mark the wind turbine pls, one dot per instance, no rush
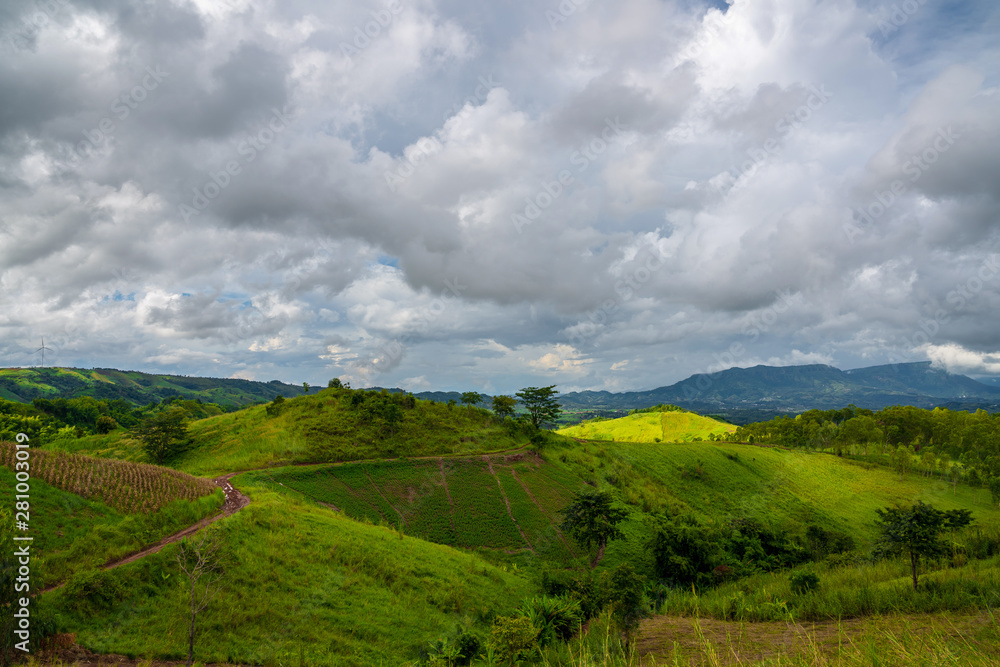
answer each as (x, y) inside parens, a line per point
(42, 350)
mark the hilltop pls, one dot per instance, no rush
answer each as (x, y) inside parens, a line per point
(661, 423)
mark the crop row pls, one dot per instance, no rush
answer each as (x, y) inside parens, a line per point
(127, 487)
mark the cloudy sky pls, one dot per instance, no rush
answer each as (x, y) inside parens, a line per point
(456, 194)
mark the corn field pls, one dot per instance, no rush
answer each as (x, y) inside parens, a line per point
(131, 488)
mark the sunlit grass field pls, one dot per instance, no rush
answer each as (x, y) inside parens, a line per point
(673, 426)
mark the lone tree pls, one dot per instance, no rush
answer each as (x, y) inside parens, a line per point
(591, 520)
(305, 387)
(164, 435)
(541, 404)
(201, 562)
(916, 530)
(503, 406)
(471, 398)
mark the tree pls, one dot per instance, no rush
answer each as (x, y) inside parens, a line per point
(628, 603)
(201, 562)
(591, 520)
(471, 398)
(305, 387)
(163, 435)
(334, 384)
(105, 424)
(916, 530)
(503, 406)
(541, 404)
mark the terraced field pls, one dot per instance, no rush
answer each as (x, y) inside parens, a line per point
(502, 503)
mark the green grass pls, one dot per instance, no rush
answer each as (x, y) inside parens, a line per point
(672, 426)
(72, 534)
(301, 578)
(315, 428)
(414, 496)
(866, 589)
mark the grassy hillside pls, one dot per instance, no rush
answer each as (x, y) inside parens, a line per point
(332, 425)
(504, 503)
(667, 426)
(303, 585)
(25, 384)
(72, 533)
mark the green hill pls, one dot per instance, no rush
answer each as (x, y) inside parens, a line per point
(332, 425)
(86, 512)
(416, 520)
(651, 425)
(304, 585)
(26, 384)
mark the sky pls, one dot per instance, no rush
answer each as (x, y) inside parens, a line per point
(487, 195)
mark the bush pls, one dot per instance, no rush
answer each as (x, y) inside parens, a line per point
(803, 582)
(274, 409)
(553, 617)
(513, 639)
(94, 590)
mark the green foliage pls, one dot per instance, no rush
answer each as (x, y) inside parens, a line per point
(591, 520)
(163, 436)
(541, 404)
(471, 398)
(803, 582)
(685, 552)
(627, 599)
(335, 383)
(503, 406)
(916, 531)
(94, 591)
(513, 639)
(555, 617)
(105, 424)
(276, 406)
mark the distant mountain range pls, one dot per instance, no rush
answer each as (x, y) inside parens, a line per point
(739, 394)
(798, 388)
(26, 384)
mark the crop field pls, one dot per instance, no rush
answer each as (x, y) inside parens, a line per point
(459, 502)
(72, 533)
(674, 426)
(127, 487)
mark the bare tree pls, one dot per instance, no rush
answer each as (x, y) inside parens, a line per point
(201, 561)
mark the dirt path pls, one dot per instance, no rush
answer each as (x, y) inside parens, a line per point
(489, 464)
(235, 501)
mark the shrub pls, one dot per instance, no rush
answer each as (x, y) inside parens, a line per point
(553, 617)
(274, 409)
(94, 590)
(513, 639)
(803, 582)
(105, 424)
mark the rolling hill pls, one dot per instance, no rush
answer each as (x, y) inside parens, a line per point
(657, 426)
(25, 384)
